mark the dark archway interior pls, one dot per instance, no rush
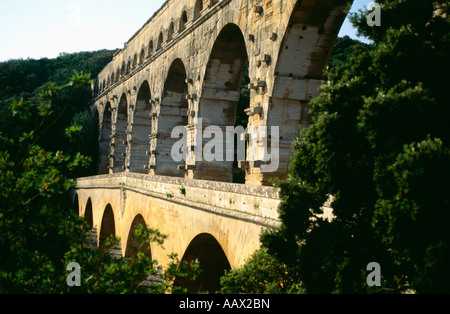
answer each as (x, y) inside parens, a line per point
(213, 263)
(224, 99)
(198, 9)
(173, 113)
(105, 140)
(134, 243)
(304, 54)
(142, 128)
(108, 227)
(120, 139)
(91, 234)
(88, 215)
(76, 206)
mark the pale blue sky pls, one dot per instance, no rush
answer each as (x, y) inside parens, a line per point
(45, 28)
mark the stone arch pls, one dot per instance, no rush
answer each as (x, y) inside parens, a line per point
(105, 140)
(133, 242)
(94, 110)
(172, 113)
(135, 62)
(298, 73)
(76, 205)
(91, 235)
(150, 47)
(120, 135)
(183, 20)
(89, 214)
(128, 69)
(219, 100)
(171, 31)
(141, 130)
(123, 72)
(198, 9)
(213, 262)
(142, 55)
(108, 226)
(160, 40)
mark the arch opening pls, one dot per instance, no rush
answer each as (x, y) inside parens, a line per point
(108, 227)
(141, 129)
(76, 206)
(142, 56)
(123, 69)
(198, 9)
(91, 234)
(171, 31)
(150, 48)
(300, 65)
(183, 21)
(120, 142)
(105, 140)
(135, 244)
(213, 263)
(160, 40)
(223, 103)
(88, 214)
(173, 113)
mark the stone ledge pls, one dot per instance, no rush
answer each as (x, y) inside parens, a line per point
(229, 200)
(251, 190)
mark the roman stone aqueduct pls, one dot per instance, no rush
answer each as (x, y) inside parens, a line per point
(187, 63)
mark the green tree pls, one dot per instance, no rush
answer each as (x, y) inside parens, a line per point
(261, 274)
(23, 81)
(379, 149)
(39, 233)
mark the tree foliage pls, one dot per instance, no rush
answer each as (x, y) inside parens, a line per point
(379, 147)
(40, 234)
(23, 82)
(22, 78)
(261, 274)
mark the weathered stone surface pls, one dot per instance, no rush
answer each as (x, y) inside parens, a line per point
(187, 62)
(233, 214)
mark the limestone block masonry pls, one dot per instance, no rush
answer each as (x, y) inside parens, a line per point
(217, 223)
(187, 63)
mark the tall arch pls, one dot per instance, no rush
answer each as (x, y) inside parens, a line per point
(91, 235)
(198, 9)
(183, 21)
(120, 135)
(173, 113)
(213, 263)
(88, 214)
(135, 62)
(150, 48)
(141, 129)
(171, 31)
(134, 243)
(108, 226)
(160, 40)
(221, 94)
(105, 140)
(123, 68)
(76, 205)
(142, 56)
(298, 73)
